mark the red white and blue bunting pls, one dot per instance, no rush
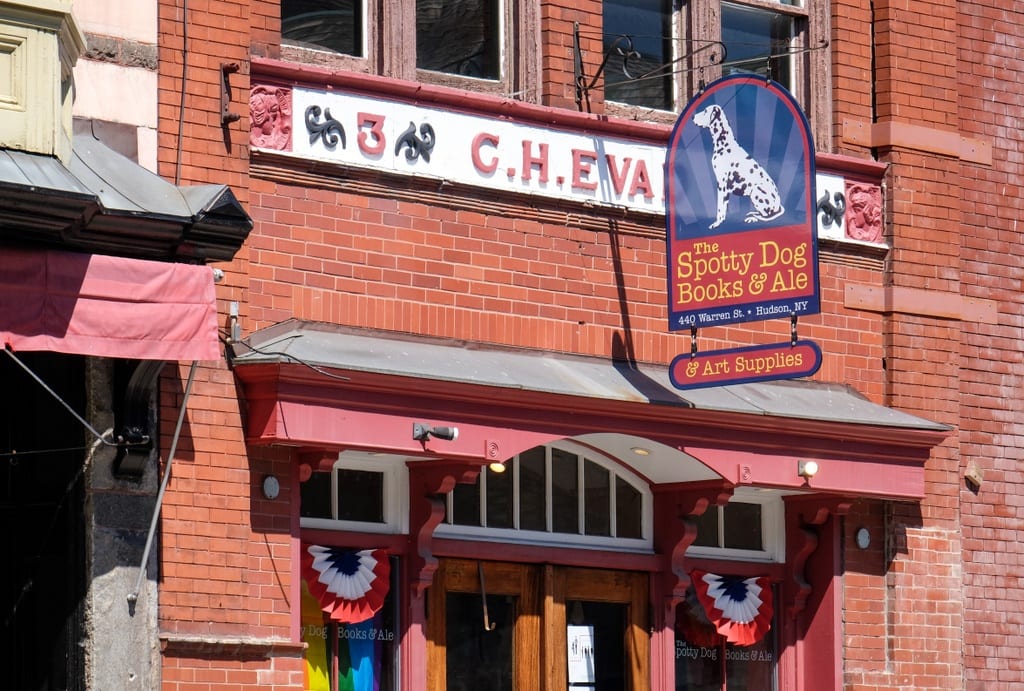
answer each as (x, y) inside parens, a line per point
(350, 585)
(739, 608)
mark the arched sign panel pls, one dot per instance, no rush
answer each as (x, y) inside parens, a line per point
(739, 179)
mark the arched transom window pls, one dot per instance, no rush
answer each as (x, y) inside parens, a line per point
(555, 494)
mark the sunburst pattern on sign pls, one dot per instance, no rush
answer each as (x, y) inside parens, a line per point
(740, 608)
(350, 585)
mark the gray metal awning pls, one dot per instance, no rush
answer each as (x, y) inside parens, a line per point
(389, 353)
(105, 203)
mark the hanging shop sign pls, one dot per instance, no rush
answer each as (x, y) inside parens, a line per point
(740, 207)
(741, 229)
(746, 364)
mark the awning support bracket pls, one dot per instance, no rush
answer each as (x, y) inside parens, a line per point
(133, 596)
(102, 437)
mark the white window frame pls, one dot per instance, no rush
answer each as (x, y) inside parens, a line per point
(395, 490)
(773, 530)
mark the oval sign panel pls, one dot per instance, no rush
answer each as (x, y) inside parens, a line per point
(745, 365)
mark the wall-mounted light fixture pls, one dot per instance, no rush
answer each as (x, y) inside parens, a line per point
(422, 432)
(271, 487)
(496, 467)
(807, 469)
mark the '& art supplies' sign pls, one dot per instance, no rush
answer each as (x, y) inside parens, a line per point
(740, 207)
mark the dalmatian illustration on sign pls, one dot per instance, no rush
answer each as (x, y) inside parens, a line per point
(736, 172)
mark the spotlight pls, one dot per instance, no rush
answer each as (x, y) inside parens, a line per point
(807, 469)
(422, 432)
(496, 467)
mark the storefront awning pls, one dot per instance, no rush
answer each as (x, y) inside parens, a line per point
(90, 304)
(314, 385)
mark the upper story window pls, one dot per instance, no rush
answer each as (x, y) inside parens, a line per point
(463, 43)
(332, 25)
(554, 495)
(677, 48)
(461, 37)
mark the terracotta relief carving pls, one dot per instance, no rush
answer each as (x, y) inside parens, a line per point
(270, 112)
(864, 212)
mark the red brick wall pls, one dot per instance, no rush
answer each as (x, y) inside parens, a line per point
(988, 78)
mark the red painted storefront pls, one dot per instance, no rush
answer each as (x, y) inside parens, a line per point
(369, 301)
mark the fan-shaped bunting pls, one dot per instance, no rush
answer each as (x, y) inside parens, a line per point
(349, 584)
(740, 608)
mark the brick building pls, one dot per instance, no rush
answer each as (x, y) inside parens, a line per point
(446, 446)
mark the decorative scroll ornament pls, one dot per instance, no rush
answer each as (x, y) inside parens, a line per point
(350, 585)
(416, 146)
(329, 130)
(831, 212)
(740, 608)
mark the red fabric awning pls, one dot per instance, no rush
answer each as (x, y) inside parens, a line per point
(91, 304)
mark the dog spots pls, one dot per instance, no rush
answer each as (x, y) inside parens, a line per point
(737, 174)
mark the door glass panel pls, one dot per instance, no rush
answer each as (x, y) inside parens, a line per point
(564, 492)
(597, 648)
(479, 659)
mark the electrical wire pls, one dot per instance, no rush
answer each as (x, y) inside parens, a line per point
(288, 356)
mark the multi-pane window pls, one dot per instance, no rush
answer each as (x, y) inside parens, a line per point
(552, 492)
(359, 492)
(678, 46)
(465, 43)
(748, 527)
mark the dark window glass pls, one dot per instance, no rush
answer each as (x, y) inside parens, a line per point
(466, 504)
(564, 492)
(750, 35)
(608, 622)
(596, 499)
(499, 499)
(743, 526)
(477, 658)
(360, 495)
(532, 490)
(707, 528)
(315, 496)
(644, 80)
(628, 510)
(335, 25)
(459, 37)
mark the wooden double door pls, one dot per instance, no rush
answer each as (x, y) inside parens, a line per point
(498, 626)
